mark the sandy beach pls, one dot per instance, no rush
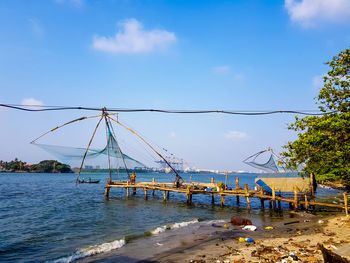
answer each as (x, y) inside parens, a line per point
(295, 240)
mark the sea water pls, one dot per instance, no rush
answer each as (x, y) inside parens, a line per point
(48, 218)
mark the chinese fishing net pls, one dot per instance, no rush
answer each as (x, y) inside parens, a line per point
(274, 163)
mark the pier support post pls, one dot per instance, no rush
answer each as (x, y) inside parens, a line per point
(346, 203)
(306, 203)
(262, 199)
(222, 200)
(237, 200)
(212, 199)
(107, 192)
(247, 195)
(168, 195)
(295, 198)
(153, 192)
(274, 197)
(127, 189)
(134, 190)
(145, 193)
(164, 195)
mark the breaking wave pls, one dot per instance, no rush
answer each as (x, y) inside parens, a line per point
(91, 250)
(161, 229)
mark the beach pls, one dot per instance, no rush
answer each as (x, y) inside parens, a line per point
(295, 239)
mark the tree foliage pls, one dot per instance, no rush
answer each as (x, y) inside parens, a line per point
(47, 166)
(323, 144)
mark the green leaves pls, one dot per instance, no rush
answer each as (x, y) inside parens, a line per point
(323, 144)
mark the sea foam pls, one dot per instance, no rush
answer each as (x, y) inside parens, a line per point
(91, 250)
(161, 229)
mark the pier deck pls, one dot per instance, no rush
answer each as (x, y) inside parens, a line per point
(297, 199)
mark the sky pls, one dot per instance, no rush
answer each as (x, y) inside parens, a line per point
(217, 55)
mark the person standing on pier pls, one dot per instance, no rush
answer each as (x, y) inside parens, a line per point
(133, 178)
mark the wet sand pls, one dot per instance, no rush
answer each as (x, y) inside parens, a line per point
(293, 239)
(296, 241)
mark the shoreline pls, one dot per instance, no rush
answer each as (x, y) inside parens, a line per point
(298, 241)
(296, 236)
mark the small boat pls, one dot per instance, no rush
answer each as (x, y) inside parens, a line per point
(88, 181)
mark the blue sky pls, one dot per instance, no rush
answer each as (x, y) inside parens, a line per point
(233, 55)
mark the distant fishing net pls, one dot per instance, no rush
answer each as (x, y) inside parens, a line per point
(274, 163)
(114, 157)
(95, 158)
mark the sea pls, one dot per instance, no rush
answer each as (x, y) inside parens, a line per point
(48, 218)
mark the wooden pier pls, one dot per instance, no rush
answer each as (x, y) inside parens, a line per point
(297, 200)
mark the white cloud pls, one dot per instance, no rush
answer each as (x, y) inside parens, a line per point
(132, 39)
(36, 27)
(310, 12)
(32, 102)
(235, 135)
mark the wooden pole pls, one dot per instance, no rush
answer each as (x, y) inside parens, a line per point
(107, 192)
(346, 203)
(262, 199)
(274, 197)
(226, 180)
(127, 189)
(167, 195)
(212, 180)
(134, 190)
(145, 193)
(153, 182)
(247, 195)
(212, 199)
(295, 198)
(164, 193)
(306, 203)
(237, 183)
(222, 200)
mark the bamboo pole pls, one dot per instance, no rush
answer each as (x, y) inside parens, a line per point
(145, 193)
(346, 203)
(164, 195)
(168, 195)
(237, 183)
(87, 149)
(153, 181)
(226, 180)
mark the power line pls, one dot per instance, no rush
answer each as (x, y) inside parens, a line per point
(40, 108)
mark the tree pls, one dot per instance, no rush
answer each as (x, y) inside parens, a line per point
(323, 144)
